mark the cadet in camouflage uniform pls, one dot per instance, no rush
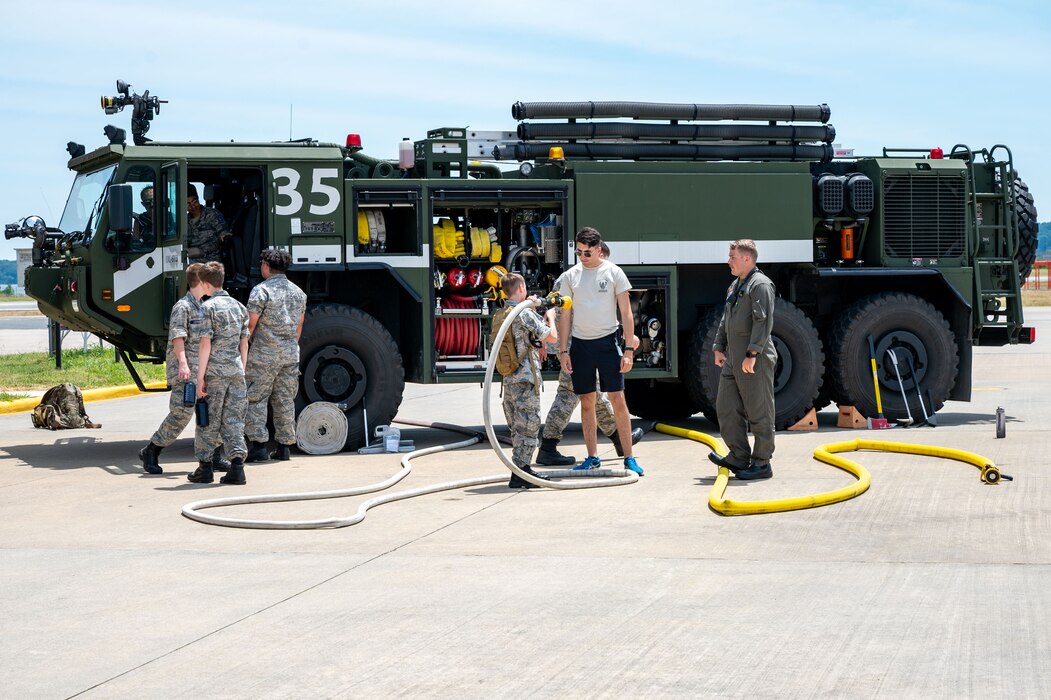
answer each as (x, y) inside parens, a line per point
(205, 230)
(184, 336)
(275, 322)
(745, 351)
(566, 401)
(221, 378)
(521, 389)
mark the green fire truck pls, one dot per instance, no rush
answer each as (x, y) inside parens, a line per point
(922, 250)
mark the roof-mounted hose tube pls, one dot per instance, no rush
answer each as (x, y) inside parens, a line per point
(668, 151)
(659, 110)
(531, 131)
(377, 167)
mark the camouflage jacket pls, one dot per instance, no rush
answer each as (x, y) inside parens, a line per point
(528, 327)
(225, 321)
(203, 234)
(280, 304)
(185, 323)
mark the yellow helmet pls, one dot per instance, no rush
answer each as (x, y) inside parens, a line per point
(495, 275)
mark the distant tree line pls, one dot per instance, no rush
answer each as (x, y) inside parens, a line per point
(1044, 249)
(9, 270)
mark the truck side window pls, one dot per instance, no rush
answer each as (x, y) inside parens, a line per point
(143, 236)
(171, 215)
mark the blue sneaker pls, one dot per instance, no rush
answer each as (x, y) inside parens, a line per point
(589, 463)
(630, 463)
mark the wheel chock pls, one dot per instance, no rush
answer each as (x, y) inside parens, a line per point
(850, 418)
(807, 422)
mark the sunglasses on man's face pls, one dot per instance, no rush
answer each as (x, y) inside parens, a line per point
(584, 253)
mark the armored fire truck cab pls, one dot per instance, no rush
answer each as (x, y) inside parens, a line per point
(401, 261)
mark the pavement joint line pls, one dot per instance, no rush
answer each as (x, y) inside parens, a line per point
(287, 598)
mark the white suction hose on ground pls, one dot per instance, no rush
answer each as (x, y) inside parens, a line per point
(597, 477)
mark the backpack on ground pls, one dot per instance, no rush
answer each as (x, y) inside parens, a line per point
(62, 407)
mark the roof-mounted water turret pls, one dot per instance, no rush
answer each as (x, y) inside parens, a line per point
(144, 107)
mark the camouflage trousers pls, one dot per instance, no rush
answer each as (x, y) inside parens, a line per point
(522, 411)
(566, 402)
(227, 402)
(178, 418)
(278, 386)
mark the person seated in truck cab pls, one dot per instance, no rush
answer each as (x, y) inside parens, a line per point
(141, 237)
(142, 232)
(206, 230)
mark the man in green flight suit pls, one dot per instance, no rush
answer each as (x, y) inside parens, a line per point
(745, 352)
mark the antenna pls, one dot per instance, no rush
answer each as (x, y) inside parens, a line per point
(290, 121)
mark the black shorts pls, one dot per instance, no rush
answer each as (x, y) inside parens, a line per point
(601, 355)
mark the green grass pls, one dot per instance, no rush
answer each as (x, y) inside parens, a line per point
(88, 370)
(4, 396)
(15, 297)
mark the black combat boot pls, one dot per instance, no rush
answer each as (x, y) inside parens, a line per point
(218, 463)
(257, 452)
(614, 437)
(549, 456)
(203, 475)
(755, 471)
(281, 453)
(149, 455)
(236, 474)
(518, 482)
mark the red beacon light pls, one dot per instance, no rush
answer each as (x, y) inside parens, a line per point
(937, 154)
(354, 141)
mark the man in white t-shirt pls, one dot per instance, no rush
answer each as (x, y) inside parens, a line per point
(598, 289)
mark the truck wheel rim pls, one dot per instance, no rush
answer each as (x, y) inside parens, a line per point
(337, 375)
(903, 343)
(783, 369)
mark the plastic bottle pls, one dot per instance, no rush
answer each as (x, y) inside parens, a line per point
(189, 394)
(202, 413)
(406, 154)
(392, 439)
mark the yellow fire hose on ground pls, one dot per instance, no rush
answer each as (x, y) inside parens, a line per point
(827, 453)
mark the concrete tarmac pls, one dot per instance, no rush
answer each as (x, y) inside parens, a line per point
(931, 584)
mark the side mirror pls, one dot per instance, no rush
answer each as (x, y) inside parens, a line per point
(119, 203)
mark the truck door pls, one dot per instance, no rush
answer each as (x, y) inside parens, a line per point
(173, 266)
(145, 291)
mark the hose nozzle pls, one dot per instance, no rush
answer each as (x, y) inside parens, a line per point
(554, 300)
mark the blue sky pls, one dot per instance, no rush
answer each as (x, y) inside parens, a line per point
(905, 74)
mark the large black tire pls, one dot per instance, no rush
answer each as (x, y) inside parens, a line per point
(800, 370)
(1028, 229)
(911, 327)
(700, 362)
(347, 356)
(652, 400)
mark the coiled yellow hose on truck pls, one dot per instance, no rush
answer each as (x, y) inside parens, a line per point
(827, 453)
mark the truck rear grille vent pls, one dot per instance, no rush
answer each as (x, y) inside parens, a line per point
(924, 216)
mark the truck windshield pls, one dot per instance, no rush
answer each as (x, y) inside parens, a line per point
(85, 202)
